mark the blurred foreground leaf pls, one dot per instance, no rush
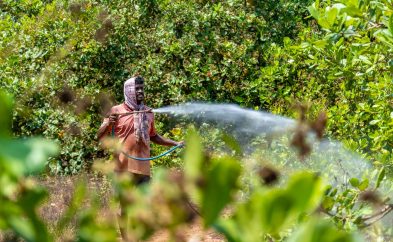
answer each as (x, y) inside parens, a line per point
(272, 210)
(221, 183)
(318, 230)
(26, 156)
(193, 156)
(20, 197)
(193, 159)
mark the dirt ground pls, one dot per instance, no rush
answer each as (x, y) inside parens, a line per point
(193, 233)
(61, 188)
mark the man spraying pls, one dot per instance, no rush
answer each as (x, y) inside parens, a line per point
(133, 125)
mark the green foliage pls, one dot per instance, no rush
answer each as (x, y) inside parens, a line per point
(355, 56)
(260, 54)
(221, 177)
(5, 119)
(213, 183)
(343, 68)
(193, 50)
(270, 211)
(286, 212)
(317, 230)
(38, 52)
(19, 197)
(65, 62)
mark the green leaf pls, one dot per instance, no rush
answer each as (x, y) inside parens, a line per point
(30, 202)
(320, 43)
(354, 182)
(381, 176)
(365, 59)
(193, 156)
(277, 210)
(27, 156)
(303, 194)
(318, 230)
(306, 189)
(390, 25)
(353, 11)
(246, 222)
(221, 182)
(331, 16)
(313, 11)
(22, 218)
(324, 24)
(385, 36)
(328, 203)
(363, 185)
(229, 228)
(5, 113)
(22, 227)
(374, 122)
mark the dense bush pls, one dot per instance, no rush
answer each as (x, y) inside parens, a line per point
(192, 50)
(346, 70)
(295, 211)
(259, 54)
(65, 64)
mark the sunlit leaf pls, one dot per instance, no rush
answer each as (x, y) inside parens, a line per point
(29, 156)
(363, 185)
(354, 182)
(277, 210)
(221, 182)
(328, 203)
(193, 156)
(381, 176)
(331, 16)
(6, 112)
(313, 11)
(390, 26)
(319, 230)
(306, 190)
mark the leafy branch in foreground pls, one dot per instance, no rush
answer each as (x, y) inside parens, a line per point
(289, 212)
(19, 195)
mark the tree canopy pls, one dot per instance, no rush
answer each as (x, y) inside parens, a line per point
(65, 62)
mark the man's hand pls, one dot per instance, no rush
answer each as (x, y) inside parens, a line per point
(113, 118)
(158, 139)
(181, 143)
(103, 130)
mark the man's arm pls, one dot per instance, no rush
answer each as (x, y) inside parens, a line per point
(158, 139)
(106, 127)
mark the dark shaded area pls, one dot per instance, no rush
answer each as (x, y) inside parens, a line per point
(268, 175)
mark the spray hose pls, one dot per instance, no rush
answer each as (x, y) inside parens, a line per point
(140, 158)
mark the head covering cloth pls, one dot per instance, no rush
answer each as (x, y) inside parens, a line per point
(140, 118)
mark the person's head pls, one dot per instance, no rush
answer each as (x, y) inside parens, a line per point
(139, 89)
(134, 91)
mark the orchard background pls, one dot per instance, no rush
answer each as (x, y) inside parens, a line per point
(63, 64)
